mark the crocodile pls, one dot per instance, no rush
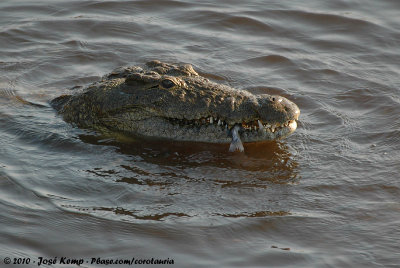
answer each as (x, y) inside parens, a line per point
(172, 101)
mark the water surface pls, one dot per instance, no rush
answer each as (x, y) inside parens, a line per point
(328, 196)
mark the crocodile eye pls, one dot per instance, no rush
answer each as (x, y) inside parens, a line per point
(167, 83)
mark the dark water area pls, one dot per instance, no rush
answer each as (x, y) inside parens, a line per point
(327, 196)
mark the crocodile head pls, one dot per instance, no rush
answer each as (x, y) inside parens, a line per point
(172, 101)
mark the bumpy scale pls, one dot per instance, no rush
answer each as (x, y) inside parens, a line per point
(171, 101)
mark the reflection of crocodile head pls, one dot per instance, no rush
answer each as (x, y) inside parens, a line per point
(172, 101)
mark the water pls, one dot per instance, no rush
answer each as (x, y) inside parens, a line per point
(328, 196)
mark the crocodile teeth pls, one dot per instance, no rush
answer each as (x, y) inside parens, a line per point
(256, 125)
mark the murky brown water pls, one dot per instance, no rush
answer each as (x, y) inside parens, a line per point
(328, 196)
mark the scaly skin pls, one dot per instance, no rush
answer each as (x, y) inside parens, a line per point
(172, 101)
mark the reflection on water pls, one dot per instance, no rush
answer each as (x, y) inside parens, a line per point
(172, 171)
(272, 157)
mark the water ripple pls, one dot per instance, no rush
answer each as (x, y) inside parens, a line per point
(331, 183)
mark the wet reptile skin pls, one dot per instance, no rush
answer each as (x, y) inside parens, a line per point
(171, 101)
